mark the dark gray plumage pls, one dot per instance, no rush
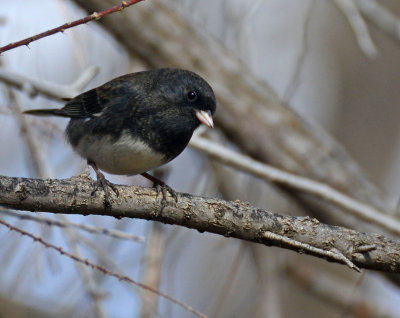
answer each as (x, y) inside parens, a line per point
(138, 121)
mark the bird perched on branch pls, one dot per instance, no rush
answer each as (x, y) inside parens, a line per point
(136, 122)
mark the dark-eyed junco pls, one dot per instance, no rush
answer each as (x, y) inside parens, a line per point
(136, 122)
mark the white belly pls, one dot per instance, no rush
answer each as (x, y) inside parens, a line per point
(125, 156)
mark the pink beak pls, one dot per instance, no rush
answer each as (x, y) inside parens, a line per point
(205, 118)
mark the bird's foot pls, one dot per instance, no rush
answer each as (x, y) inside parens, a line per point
(161, 187)
(103, 183)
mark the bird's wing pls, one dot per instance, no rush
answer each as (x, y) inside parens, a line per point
(88, 104)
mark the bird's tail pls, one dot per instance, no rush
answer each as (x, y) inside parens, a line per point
(47, 112)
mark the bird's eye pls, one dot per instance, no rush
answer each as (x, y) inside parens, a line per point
(191, 96)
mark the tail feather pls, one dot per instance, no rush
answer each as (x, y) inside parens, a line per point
(47, 112)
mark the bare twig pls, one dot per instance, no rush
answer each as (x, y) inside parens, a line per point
(101, 268)
(234, 159)
(34, 149)
(84, 227)
(305, 44)
(62, 28)
(34, 86)
(332, 254)
(380, 16)
(359, 26)
(231, 219)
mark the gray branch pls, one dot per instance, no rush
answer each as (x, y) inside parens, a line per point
(229, 218)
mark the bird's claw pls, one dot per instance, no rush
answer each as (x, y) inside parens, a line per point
(163, 188)
(105, 184)
(160, 186)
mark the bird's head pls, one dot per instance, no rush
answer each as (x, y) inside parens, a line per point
(190, 96)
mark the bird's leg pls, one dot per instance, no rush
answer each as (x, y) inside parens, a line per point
(161, 187)
(102, 182)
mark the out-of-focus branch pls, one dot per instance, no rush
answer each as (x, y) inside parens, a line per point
(40, 170)
(34, 86)
(336, 292)
(16, 309)
(62, 28)
(320, 190)
(249, 112)
(270, 303)
(380, 16)
(90, 284)
(353, 15)
(153, 261)
(84, 227)
(102, 269)
(232, 219)
(305, 46)
(152, 270)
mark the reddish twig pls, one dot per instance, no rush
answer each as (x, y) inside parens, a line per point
(101, 268)
(62, 28)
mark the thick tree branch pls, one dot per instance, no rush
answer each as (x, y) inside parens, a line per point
(232, 219)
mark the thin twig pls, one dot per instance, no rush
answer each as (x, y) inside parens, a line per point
(35, 149)
(305, 44)
(101, 268)
(33, 86)
(380, 16)
(359, 26)
(332, 254)
(62, 28)
(84, 227)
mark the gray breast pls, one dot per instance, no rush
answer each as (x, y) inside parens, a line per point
(124, 156)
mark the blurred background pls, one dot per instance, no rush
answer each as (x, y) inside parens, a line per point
(335, 63)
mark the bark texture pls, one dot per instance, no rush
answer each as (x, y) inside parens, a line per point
(229, 218)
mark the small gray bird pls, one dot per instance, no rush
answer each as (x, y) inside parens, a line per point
(136, 122)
